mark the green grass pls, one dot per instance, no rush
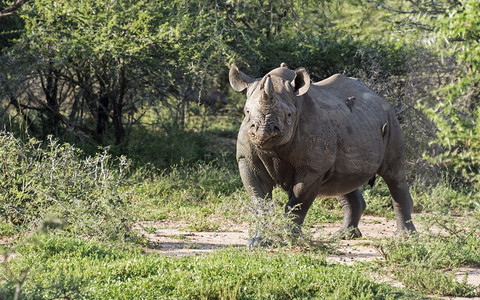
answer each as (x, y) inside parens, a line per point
(427, 262)
(68, 267)
(200, 191)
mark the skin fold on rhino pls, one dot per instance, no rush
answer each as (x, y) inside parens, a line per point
(317, 140)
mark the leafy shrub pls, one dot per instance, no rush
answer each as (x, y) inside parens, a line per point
(49, 179)
(441, 198)
(456, 115)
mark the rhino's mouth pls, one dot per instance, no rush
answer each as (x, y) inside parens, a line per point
(265, 131)
(266, 141)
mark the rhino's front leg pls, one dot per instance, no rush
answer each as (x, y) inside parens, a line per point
(302, 195)
(353, 206)
(259, 186)
(299, 202)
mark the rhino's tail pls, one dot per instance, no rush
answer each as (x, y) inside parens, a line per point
(371, 182)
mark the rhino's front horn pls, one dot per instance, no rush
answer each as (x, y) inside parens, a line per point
(268, 93)
(269, 87)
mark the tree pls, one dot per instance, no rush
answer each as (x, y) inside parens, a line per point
(82, 61)
(83, 58)
(457, 113)
(94, 68)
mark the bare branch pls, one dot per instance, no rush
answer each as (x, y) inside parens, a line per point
(12, 9)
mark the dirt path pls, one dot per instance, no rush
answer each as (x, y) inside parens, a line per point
(170, 238)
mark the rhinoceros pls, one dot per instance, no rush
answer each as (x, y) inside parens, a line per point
(319, 139)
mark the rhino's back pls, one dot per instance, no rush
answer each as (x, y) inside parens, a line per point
(346, 119)
(335, 90)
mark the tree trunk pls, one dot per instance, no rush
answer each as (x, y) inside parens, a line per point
(52, 108)
(102, 115)
(118, 106)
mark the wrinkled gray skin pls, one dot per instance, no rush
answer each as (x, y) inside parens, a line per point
(315, 140)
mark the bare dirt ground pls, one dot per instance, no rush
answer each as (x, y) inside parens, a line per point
(172, 239)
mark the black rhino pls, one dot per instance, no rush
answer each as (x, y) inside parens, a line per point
(319, 139)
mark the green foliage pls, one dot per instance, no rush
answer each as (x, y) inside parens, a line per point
(457, 112)
(269, 222)
(40, 180)
(97, 67)
(441, 198)
(76, 268)
(108, 60)
(434, 282)
(10, 29)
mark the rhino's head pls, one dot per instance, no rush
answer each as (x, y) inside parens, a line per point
(271, 107)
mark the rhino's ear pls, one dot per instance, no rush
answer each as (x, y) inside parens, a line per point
(301, 82)
(239, 80)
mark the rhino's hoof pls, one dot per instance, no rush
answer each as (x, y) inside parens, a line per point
(405, 233)
(407, 230)
(349, 233)
(258, 241)
(295, 230)
(254, 243)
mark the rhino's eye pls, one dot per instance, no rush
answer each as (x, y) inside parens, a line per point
(289, 115)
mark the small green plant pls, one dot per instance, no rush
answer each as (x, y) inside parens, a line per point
(150, 229)
(179, 236)
(271, 225)
(41, 179)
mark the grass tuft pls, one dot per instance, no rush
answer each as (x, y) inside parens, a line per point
(420, 262)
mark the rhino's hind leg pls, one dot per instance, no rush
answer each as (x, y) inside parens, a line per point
(353, 206)
(402, 202)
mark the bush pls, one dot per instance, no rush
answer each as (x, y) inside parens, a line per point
(41, 180)
(456, 115)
